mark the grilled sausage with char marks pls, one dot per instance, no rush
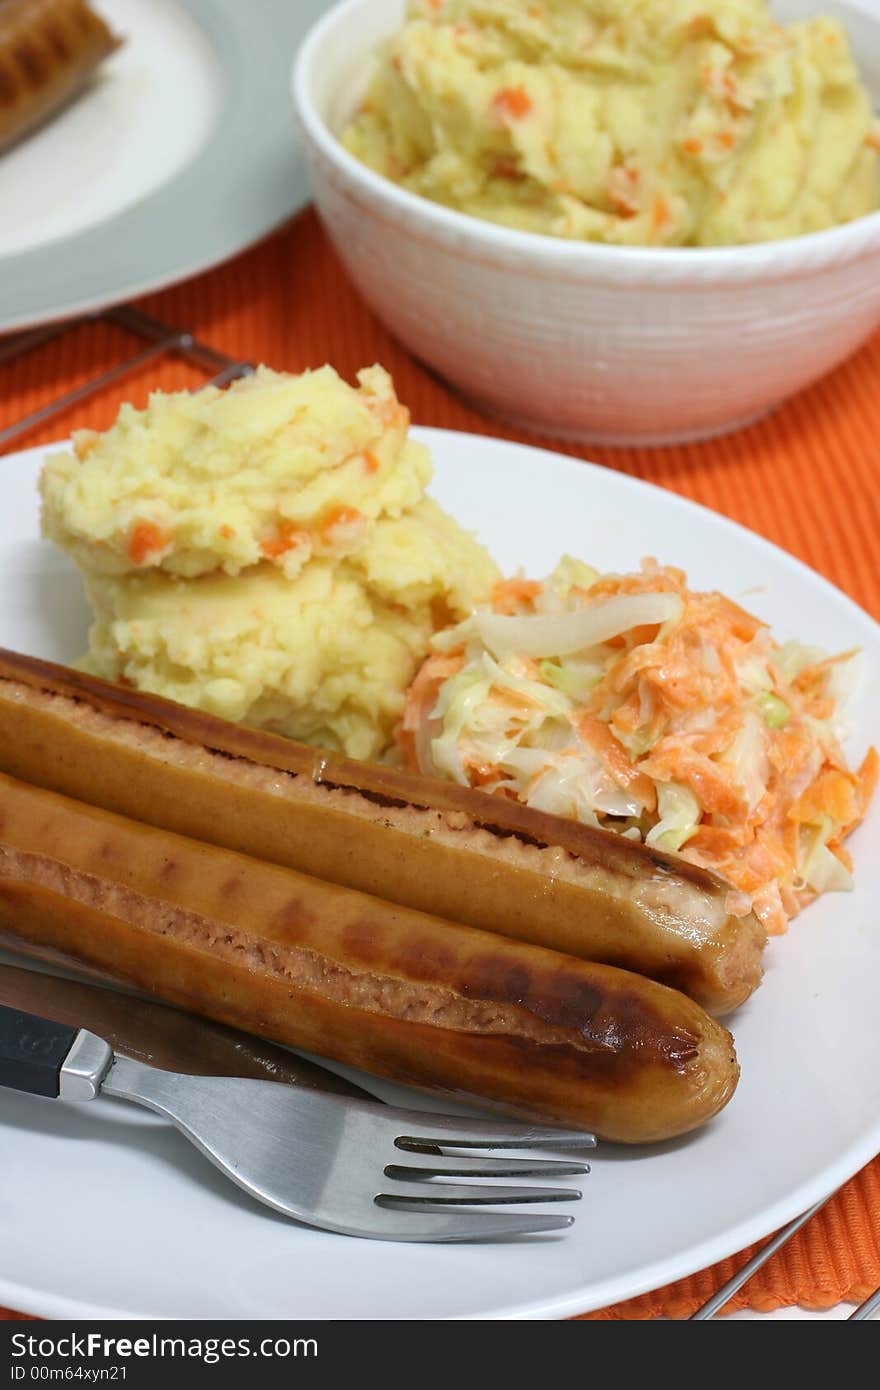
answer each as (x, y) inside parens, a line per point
(429, 845)
(367, 982)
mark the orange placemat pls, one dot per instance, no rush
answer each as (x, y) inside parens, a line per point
(807, 478)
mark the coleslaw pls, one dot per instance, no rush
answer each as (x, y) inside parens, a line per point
(633, 703)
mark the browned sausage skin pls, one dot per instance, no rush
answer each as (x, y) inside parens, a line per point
(367, 982)
(48, 51)
(443, 849)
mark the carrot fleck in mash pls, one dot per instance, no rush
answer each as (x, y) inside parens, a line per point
(632, 122)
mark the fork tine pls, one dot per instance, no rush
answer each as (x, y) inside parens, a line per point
(467, 1166)
(472, 1194)
(420, 1223)
(452, 1131)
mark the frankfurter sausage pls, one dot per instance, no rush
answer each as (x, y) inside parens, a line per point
(442, 849)
(336, 972)
(48, 51)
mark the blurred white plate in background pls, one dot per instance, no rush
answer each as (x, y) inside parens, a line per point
(180, 154)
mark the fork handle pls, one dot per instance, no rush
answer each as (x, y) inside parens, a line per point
(44, 1058)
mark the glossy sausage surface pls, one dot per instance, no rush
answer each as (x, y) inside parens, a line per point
(446, 850)
(367, 982)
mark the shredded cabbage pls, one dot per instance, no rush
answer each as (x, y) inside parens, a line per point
(774, 712)
(747, 760)
(679, 812)
(793, 657)
(572, 574)
(575, 679)
(821, 870)
(564, 633)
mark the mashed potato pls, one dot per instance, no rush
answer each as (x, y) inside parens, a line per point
(276, 468)
(635, 122)
(317, 640)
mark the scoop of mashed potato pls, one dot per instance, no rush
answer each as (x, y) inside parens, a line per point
(320, 650)
(633, 122)
(275, 468)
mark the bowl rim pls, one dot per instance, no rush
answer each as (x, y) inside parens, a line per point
(787, 257)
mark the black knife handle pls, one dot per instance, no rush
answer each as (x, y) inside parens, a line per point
(32, 1052)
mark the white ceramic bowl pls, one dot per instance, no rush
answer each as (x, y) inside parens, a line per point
(604, 343)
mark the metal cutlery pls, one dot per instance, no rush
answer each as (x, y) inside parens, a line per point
(353, 1166)
(867, 1309)
(723, 1295)
(160, 1035)
(157, 1034)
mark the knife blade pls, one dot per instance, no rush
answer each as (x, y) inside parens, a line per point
(163, 1036)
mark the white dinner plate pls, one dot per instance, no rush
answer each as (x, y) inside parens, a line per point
(180, 154)
(105, 1211)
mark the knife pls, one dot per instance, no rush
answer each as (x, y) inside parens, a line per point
(163, 1036)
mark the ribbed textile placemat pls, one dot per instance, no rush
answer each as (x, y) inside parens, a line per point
(807, 477)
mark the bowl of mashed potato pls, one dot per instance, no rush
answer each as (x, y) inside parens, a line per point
(631, 221)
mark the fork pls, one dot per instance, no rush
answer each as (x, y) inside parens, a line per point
(355, 1167)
